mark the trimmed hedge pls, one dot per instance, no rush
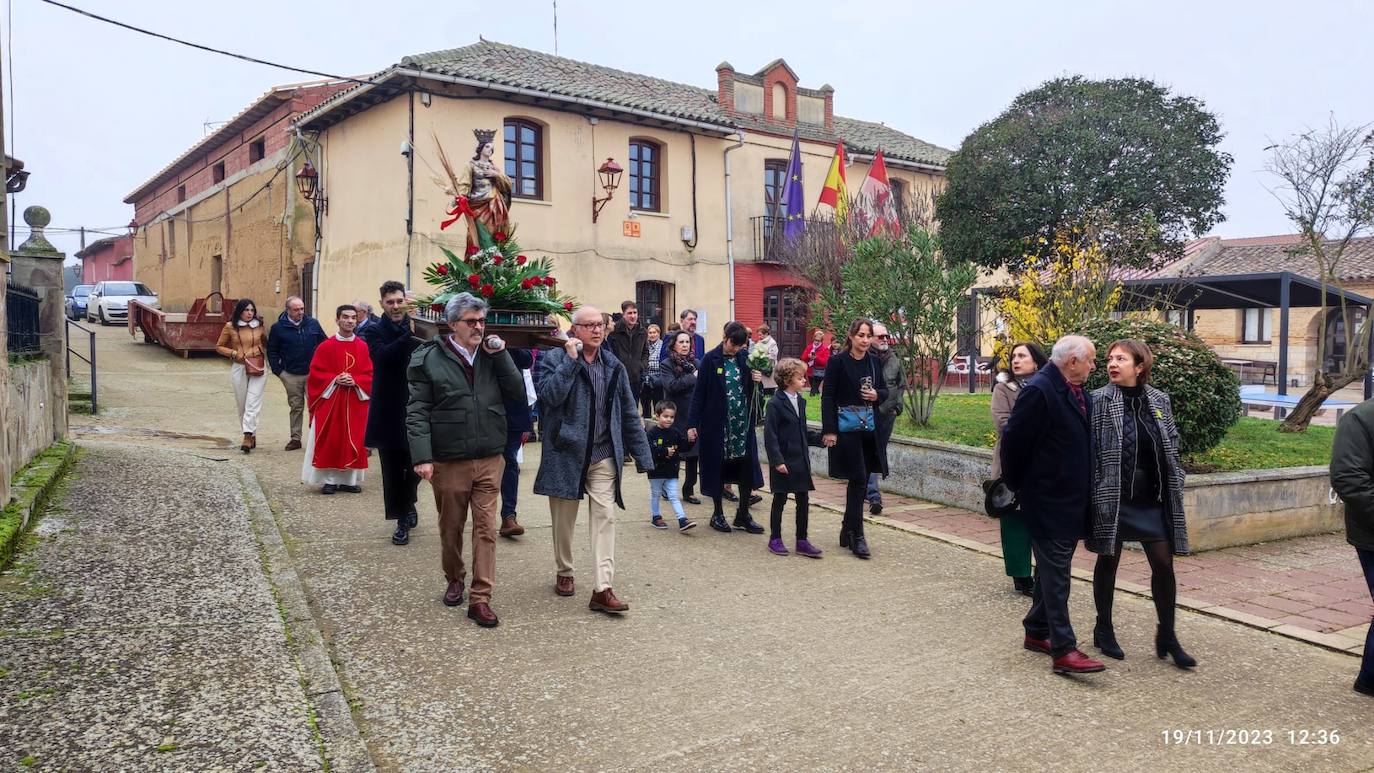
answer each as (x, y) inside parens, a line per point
(1205, 393)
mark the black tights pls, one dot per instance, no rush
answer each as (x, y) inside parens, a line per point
(855, 492)
(689, 486)
(1163, 586)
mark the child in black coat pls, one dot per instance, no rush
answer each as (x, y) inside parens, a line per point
(789, 458)
(666, 444)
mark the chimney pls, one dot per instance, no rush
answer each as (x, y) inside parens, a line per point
(829, 93)
(725, 87)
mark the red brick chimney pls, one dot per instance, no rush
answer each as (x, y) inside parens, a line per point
(725, 87)
(829, 93)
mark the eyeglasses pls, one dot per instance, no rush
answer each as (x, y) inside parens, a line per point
(883, 337)
(590, 325)
(475, 321)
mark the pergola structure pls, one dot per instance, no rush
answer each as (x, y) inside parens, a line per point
(1280, 290)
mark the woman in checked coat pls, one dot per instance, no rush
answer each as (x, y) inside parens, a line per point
(1137, 493)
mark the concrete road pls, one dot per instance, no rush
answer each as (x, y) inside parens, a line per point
(732, 658)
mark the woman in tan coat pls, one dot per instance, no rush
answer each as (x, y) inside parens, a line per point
(1026, 359)
(244, 341)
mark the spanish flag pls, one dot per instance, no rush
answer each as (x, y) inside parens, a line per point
(835, 193)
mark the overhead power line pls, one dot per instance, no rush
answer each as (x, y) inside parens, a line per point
(202, 47)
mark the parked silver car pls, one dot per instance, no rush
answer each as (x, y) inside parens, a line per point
(109, 301)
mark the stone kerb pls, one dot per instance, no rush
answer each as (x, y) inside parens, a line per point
(1224, 509)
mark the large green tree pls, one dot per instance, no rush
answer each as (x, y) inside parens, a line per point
(1124, 158)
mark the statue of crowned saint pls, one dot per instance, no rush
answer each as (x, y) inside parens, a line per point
(485, 189)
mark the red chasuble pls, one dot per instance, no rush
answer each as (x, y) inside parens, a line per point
(339, 415)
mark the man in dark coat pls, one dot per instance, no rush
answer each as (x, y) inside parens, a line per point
(719, 422)
(390, 342)
(1352, 477)
(1047, 458)
(519, 425)
(687, 320)
(290, 347)
(589, 424)
(629, 342)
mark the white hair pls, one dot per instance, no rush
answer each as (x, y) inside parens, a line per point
(583, 311)
(1069, 347)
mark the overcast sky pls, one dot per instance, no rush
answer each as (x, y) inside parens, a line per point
(97, 110)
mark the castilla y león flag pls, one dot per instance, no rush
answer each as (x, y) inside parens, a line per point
(836, 193)
(875, 197)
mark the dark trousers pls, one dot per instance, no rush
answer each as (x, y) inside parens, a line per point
(883, 424)
(510, 478)
(399, 482)
(735, 471)
(689, 483)
(1049, 613)
(775, 516)
(650, 395)
(1367, 664)
(854, 492)
(816, 385)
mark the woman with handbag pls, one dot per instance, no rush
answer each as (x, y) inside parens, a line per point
(1137, 493)
(816, 356)
(678, 375)
(1026, 359)
(853, 388)
(244, 341)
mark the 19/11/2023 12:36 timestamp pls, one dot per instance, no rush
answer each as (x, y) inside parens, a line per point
(1245, 737)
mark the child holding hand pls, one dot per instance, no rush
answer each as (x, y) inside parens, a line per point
(667, 444)
(789, 458)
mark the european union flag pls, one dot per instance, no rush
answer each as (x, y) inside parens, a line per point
(794, 224)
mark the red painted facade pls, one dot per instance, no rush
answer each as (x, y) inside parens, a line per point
(110, 258)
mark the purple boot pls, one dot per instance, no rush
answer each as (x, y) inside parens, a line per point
(776, 547)
(805, 548)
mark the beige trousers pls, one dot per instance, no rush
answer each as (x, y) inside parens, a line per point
(600, 520)
(459, 487)
(295, 398)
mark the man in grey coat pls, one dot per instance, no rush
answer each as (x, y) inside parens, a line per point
(885, 417)
(590, 422)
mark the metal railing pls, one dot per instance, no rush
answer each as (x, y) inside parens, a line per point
(21, 316)
(90, 337)
(769, 244)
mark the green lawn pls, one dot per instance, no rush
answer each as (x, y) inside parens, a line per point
(1250, 444)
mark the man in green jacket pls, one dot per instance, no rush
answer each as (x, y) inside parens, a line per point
(456, 426)
(1352, 477)
(888, 411)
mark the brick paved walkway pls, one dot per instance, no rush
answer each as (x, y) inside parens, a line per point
(1309, 588)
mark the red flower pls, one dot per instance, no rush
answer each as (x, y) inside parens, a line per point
(567, 306)
(499, 236)
(526, 283)
(437, 308)
(442, 269)
(474, 280)
(488, 291)
(496, 260)
(520, 260)
(550, 281)
(472, 250)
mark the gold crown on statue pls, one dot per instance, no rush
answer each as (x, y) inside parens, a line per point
(484, 135)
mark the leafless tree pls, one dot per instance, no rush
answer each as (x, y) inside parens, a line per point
(1326, 187)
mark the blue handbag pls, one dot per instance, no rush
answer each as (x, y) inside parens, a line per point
(856, 418)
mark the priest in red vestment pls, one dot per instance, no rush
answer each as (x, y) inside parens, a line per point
(337, 392)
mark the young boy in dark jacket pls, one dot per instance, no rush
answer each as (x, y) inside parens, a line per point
(666, 444)
(789, 458)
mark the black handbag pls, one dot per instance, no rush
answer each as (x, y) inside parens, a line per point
(998, 500)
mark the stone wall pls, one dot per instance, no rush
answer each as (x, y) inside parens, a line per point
(29, 424)
(1224, 509)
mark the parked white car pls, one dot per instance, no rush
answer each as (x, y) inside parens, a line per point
(109, 301)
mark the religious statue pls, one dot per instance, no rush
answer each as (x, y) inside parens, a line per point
(486, 187)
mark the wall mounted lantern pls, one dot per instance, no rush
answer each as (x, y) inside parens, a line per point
(609, 173)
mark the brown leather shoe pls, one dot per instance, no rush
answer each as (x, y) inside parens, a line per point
(247, 444)
(563, 586)
(294, 445)
(453, 596)
(252, 439)
(510, 527)
(481, 614)
(1075, 662)
(605, 601)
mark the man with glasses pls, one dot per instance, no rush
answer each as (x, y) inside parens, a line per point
(590, 421)
(885, 417)
(456, 425)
